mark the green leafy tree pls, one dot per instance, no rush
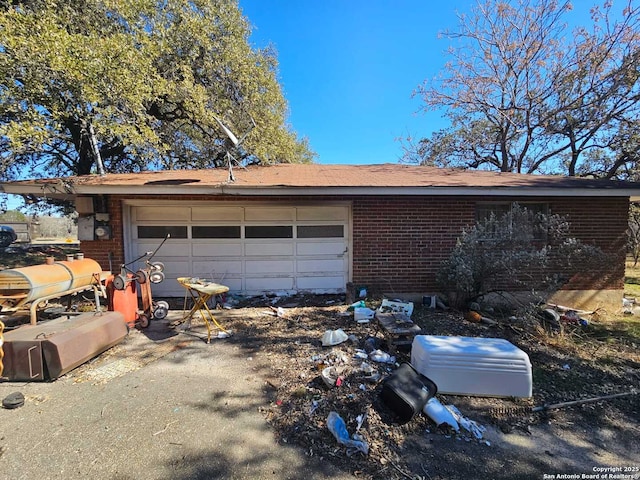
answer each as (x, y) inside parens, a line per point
(136, 85)
(525, 94)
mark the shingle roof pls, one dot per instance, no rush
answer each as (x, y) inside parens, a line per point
(318, 178)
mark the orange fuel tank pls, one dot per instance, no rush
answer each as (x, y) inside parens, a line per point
(19, 286)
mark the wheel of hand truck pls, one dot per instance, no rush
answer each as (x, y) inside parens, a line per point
(141, 277)
(157, 266)
(160, 312)
(119, 282)
(143, 320)
(156, 277)
(163, 304)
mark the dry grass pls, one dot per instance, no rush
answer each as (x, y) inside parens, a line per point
(632, 280)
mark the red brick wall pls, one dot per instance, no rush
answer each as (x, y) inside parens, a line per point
(399, 242)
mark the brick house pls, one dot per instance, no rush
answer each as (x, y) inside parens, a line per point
(316, 227)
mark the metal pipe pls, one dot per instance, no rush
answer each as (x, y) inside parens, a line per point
(33, 314)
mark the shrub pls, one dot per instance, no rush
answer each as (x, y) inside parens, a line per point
(518, 250)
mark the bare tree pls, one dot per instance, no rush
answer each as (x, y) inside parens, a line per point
(524, 94)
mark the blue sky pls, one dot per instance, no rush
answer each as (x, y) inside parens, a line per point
(348, 69)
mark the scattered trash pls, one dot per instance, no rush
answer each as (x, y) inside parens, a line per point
(13, 400)
(358, 304)
(338, 428)
(441, 305)
(360, 419)
(429, 301)
(381, 357)
(373, 378)
(471, 426)
(331, 376)
(488, 321)
(360, 354)
(406, 392)
(550, 320)
(366, 368)
(333, 337)
(388, 306)
(439, 414)
(472, 316)
(363, 314)
(314, 406)
(371, 344)
(572, 318)
(566, 366)
(279, 312)
(362, 292)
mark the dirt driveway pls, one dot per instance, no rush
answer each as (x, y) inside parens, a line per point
(165, 405)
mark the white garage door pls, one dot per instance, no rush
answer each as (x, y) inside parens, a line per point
(251, 249)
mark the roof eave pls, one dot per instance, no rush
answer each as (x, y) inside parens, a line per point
(42, 190)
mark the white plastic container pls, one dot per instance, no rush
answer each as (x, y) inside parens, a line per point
(488, 367)
(363, 314)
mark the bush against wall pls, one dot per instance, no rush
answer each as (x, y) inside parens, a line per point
(520, 250)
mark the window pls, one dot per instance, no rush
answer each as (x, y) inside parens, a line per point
(162, 231)
(268, 231)
(321, 231)
(230, 231)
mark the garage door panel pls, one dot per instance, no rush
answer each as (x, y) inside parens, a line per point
(321, 248)
(169, 249)
(337, 282)
(217, 214)
(234, 284)
(168, 289)
(164, 213)
(216, 269)
(268, 266)
(217, 249)
(322, 213)
(268, 283)
(318, 266)
(174, 269)
(263, 249)
(261, 214)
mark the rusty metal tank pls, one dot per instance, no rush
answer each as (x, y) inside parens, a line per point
(49, 350)
(19, 286)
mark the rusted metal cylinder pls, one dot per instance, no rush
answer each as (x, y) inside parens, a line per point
(82, 271)
(22, 285)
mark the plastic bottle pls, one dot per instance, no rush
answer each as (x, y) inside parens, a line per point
(358, 304)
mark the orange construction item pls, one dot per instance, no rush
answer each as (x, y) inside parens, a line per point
(123, 301)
